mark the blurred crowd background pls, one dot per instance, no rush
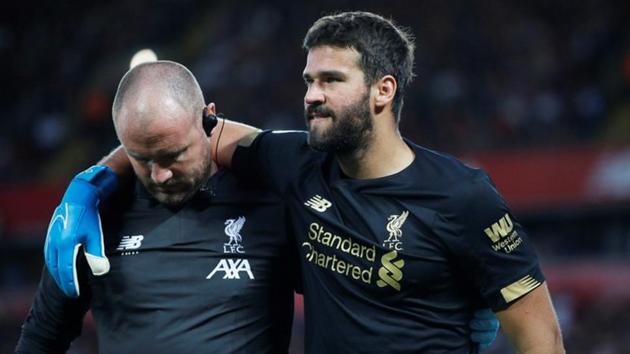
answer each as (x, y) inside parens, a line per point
(536, 92)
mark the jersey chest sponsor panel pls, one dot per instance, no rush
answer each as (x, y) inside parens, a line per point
(373, 263)
(208, 270)
(198, 250)
(374, 241)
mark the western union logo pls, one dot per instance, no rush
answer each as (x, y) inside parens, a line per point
(390, 273)
(519, 288)
(499, 229)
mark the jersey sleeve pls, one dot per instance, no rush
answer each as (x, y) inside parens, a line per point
(272, 159)
(54, 320)
(490, 246)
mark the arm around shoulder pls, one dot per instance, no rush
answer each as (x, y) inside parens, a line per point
(225, 138)
(118, 162)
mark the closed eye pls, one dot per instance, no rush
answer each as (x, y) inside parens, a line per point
(332, 79)
(141, 159)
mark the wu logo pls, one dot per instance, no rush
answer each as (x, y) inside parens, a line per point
(318, 203)
(233, 231)
(390, 273)
(130, 243)
(500, 229)
(394, 228)
(232, 268)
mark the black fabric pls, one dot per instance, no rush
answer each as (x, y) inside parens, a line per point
(157, 297)
(395, 264)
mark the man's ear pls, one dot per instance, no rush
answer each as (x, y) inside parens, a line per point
(384, 91)
(209, 118)
(211, 108)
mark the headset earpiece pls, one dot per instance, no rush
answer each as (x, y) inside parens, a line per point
(209, 121)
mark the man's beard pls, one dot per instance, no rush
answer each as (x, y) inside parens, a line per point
(349, 131)
(178, 190)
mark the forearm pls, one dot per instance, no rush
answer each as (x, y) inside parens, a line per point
(542, 341)
(223, 141)
(225, 138)
(118, 161)
(531, 324)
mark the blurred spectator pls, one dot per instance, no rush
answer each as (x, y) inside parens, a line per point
(492, 74)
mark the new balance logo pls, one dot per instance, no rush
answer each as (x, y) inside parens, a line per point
(500, 229)
(232, 268)
(318, 203)
(130, 243)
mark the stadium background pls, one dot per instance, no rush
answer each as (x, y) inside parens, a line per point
(536, 92)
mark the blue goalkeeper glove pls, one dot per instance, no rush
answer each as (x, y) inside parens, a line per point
(484, 327)
(76, 222)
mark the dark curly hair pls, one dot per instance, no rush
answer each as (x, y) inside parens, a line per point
(385, 48)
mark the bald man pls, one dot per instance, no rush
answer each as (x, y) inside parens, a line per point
(197, 261)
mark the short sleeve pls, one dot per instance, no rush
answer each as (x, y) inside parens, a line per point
(271, 159)
(489, 244)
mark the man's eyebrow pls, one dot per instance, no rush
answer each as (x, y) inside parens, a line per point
(325, 74)
(135, 155)
(158, 154)
(170, 153)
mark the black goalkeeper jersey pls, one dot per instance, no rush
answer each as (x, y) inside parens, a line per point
(395, 264)
(214, 276)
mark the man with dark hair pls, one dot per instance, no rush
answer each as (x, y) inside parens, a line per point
(399, 244)
(200, 263)
(384, 48)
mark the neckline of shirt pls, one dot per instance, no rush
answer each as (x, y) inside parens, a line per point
(338, 177)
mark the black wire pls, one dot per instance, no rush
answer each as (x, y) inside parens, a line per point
(216, 148)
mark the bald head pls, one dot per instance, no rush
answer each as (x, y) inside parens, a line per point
(153, 88)
(157, 115)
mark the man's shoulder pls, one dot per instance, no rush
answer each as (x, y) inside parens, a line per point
(457, 183)
(442, 168)
(276, 150)
(229, 185)
(298, 137)
(272, 147)
(122, 200)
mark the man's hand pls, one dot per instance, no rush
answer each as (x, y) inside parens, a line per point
(484, 327)
(76, 222)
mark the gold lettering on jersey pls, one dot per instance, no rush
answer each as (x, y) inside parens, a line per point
(322, 245)
(345, 244)
(337, 265)
(330, 251)
(394, 228)
(504, 237)
(390, 273)
(509, 244)
(500, 229)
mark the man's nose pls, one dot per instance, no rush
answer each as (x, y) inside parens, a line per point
(314, 94)
(160, 174)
